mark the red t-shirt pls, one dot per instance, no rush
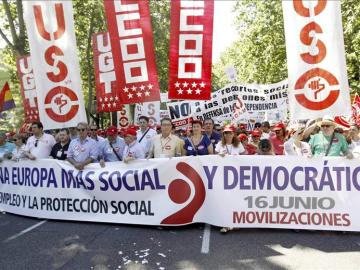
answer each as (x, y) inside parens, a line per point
(277, 144)
(251, 149)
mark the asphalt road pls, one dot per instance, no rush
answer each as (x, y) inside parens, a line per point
(30, 243)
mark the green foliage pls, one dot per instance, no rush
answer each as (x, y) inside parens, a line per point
(160, 15)
(259, 54)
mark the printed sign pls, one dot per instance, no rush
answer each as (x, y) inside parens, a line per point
(190, 49)
(131, 40)
(28, 89)
(316, 59)
(107, 92)
(51, 33)
(289, 192)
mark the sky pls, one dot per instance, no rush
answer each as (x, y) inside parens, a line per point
(224, 32)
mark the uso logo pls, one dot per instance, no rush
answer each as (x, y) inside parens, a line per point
(318, 86)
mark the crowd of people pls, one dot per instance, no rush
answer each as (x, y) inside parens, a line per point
(87, 144)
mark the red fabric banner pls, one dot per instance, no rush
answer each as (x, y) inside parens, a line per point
(129, 25)
(107, 91)
(191, 49)
(28, 88)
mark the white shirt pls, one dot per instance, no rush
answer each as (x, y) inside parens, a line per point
(40, 148)
(146, 140)
(229, 149)
(290, 149)
(133, 150)
(19, 153)
(265, 135)
(356, 152)
(353, 145)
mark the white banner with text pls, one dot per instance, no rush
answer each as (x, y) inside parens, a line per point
(233, 191)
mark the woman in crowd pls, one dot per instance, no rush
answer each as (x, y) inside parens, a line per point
(197, 144)
(19, 151)
(229, 144)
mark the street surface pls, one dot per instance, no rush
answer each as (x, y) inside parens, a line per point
(30, 243)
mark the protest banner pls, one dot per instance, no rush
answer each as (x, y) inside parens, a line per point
(190, 55)
(51, 33)
(180, 113)
(28, 88)
(149, 109)
(233, 191)
(164, 114)
(316, 59)
(123, 117)
(107, 91)
(131, 38)
(256, 98)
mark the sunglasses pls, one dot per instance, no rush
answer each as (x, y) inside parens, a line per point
(81, 129)
(36, 143)
(93, 129)
(325, 126)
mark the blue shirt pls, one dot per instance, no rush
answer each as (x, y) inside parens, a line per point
(106, 151)
(197, 150)
(215, 137)
(6, 148)
(80, 151)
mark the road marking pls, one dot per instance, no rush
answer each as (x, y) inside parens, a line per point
(25, 231)
(206, 239)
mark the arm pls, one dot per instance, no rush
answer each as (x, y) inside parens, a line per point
(210, 149)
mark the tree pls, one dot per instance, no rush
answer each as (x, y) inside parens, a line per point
(260, 53)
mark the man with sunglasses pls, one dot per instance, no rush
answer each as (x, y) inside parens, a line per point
(328, 142)
(82, 150)
(94, 133)
(39, 145)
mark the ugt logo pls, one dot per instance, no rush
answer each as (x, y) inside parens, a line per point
(179, 192)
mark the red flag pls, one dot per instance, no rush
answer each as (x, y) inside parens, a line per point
(129, 25)
(355, 117)
(28, 88)
(191, 49)
(6, 99)
(107, 91)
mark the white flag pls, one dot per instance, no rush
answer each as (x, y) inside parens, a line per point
(50, 28)
(318, 82)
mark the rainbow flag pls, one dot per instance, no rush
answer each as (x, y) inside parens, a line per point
(6, 99)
